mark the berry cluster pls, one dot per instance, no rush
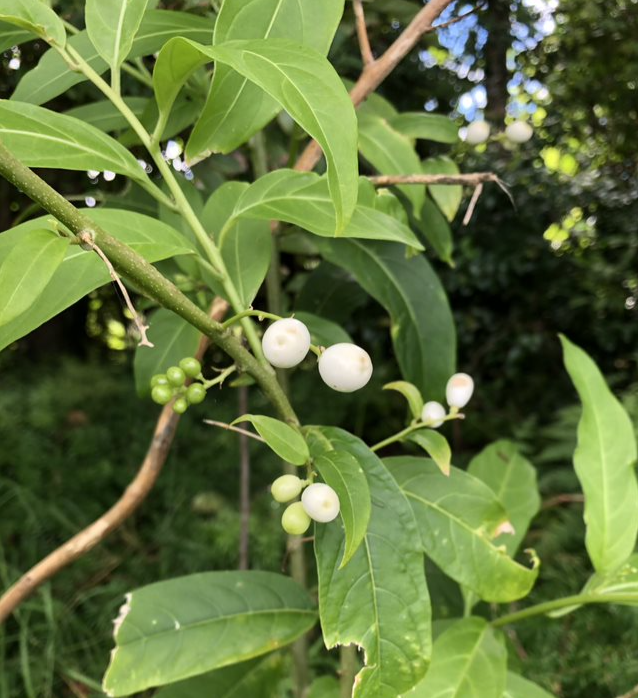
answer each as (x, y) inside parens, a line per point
(344, 367)
(516, 132)
(458, 392)
(172, 384)
(319, 502)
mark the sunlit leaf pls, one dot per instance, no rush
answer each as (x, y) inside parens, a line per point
(411, 393)
(285, 441)
(35, 17)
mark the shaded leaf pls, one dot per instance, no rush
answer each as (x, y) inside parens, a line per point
(183, 627)
(285, 441)
(379, 601)
(35, 17)
(436, 446)
(27, 269)
(11, 35)
(422, 329)
(436, 229)
(323, 332)
(518, 687)
(447, 196)
(604, 461)
(236, 109)
(468, 661)
(430, 127)
(411, 393)
(105, 115)
(344, 474)
(458, 518)
(512, 478)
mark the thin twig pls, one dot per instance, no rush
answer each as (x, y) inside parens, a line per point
(362, 33)
(230, 427)
(473, 179)
(476, 195)
(630, 694)
(563, 499)
(375, 73)
(88, 241)
(128, 503)
(244, 487)
(460, 18)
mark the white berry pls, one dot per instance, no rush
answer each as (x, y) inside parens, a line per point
(286, 342)
(519, 132)
(320, 502)
(459, 390)
(477, 132)
(345, 367)
(285, 488)
(433, 414)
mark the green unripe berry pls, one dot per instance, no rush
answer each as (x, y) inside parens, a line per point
(180, 406)
(159, 379)
(161, 394)
(176, 376)
(285, 488)
(295, 521)
(196, 393)
(191, 367)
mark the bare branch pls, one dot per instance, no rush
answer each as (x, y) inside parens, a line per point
(375, 73)
(563, 499)
(476, 195)
(362, 33)
(238, 430)
(87, 241)
(472, 180)
(460, 18)
(132, 498)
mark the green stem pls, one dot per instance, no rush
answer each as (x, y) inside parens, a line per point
(144, 275)
(212, 251)
(348, 667)
(557, 604)
(259, 314)
(218, 379)
(400, 435)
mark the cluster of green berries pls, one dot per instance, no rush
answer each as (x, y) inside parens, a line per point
(319, 502)
(172, 384)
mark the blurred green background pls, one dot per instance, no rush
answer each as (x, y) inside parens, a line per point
(562, 258)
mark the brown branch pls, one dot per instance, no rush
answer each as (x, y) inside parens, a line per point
(472, 180)
(563, 499)
(132, 498)
(460, 18)
(362, 33)
(630, 694)
(376, 72)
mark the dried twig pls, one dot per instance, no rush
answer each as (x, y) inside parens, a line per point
(476, 195)
(375, 73)
(460, 18)
(88, 242)
(563, 499)
(473, 179)
(132, 498)
(362, 33)
(238, 430)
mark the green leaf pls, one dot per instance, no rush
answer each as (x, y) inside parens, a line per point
(285, 441)
(82, 272)
(42, 138)
(422, 325)
(430, 127)
(458, 518)
(105, 115)
(390, 152)
(183, 627)
(436, 229)
(344, 474)
(323, 332)
(27, 269)
(300, 79)
(513, 479)
(623, 580)
(604, 462)
(246, 245)
(379, 601)
(10, 36)
(325, 687)
(303, 199)
(447, 196)
(173, 339)
(112, 25)
(436, 446)
(52, 76)
(411, 393)
(236, 109)
(518, 687)
(256, 678)
(468, 661)
(35, 17)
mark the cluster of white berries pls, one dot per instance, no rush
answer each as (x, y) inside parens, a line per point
(458, 392)
(516, 132)
(344, 367)
(319, 502)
